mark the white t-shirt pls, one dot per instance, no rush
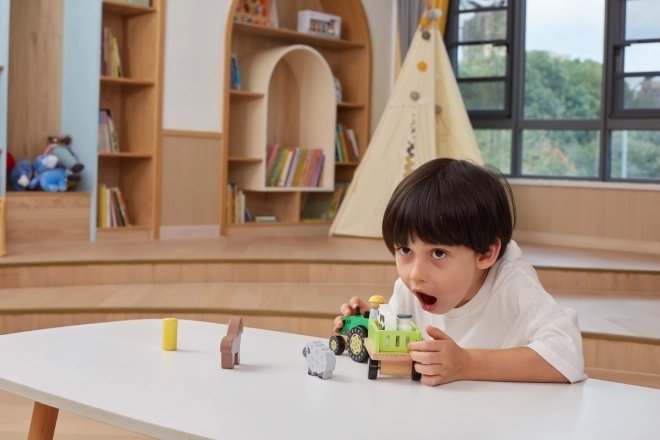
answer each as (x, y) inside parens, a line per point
(512, 309)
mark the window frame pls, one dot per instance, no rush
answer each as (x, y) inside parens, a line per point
(513, 117)
(453, 45)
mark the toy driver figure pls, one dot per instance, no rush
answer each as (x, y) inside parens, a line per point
(374, 302)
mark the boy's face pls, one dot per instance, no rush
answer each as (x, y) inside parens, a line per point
(442, 277)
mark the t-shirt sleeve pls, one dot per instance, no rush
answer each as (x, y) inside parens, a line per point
(556, 338)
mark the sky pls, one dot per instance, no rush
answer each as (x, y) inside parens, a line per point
(575, 28)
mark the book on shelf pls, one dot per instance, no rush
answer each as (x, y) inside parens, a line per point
(108, 141)
(137, 2)
(266, 219)
(112, 211)
(346, 147)
(110, 59)
(235, 73)
(324, 206)
(293, 166)
(237, 210)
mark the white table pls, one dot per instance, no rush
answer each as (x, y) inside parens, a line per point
(117, 373)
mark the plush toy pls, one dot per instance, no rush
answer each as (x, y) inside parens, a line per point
(21, 175)
(47, 176)
(59, 146)
(11, 163)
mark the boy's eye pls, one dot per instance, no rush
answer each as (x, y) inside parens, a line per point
(438, 254)
(404, 251)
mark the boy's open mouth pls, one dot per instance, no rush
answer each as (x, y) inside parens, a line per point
(428, 302)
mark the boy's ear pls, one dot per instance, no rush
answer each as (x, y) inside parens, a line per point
(488, 258)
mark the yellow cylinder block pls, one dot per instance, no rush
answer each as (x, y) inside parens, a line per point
(169, 333)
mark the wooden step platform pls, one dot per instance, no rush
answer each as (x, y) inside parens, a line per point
(297, 284)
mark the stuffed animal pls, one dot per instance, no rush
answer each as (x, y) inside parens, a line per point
(21, 175)
(11, 163)
(47, 176)
(59, 146)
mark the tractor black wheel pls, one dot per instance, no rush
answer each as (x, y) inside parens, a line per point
(374, 366)
(415, 375)
(337, 344)
(356, 348)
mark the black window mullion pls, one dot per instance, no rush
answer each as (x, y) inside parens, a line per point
(478, 43)
(488, 9)
(518, 84)
(611, 25)
(481, 79)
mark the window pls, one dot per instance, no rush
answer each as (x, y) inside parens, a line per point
(561, 89)
(480, 53)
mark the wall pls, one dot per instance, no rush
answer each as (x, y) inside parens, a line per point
(192, 117)
(381, 16)
(80, 91)
(194, 65)
(599, 216)
(35, 85)
(4, 60)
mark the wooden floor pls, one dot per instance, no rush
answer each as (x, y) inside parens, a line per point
(16, 412)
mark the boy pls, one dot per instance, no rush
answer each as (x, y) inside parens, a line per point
(482, 310)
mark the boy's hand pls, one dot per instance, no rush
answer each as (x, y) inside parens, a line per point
(440, 360)
(349, 309)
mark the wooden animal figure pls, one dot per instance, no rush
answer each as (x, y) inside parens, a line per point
(230, 346)
(321, 360)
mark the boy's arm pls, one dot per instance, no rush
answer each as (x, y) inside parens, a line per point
(441, 360)
(521, 364)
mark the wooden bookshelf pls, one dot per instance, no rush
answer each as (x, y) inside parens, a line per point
(242, 94)
(126, 155)
(294, 37)
(285, 109)
(127, 82)
(127, 9)
(134, 100)
(349, 105)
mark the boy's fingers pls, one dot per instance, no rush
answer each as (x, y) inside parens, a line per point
(437, 334)
(426, 357)
(346, 309)
(431, 345)
(432, 380)
(357, 302)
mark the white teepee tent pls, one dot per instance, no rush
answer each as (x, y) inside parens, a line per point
(424, 118)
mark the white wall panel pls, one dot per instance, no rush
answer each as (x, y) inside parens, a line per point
(194, 64)
(381, 16)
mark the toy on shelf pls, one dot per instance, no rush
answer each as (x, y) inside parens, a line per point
(230, 346)
(21, 175)
(319, 23)
(253, 11)
(383, 340)
(321, 360)
(47, 177)
(59, 147)
(170, 326)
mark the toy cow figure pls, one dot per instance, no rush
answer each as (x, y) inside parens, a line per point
(320, 359)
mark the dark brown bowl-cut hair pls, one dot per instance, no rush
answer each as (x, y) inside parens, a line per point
(451, 202)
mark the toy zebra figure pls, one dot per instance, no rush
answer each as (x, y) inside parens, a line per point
(321, 360)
